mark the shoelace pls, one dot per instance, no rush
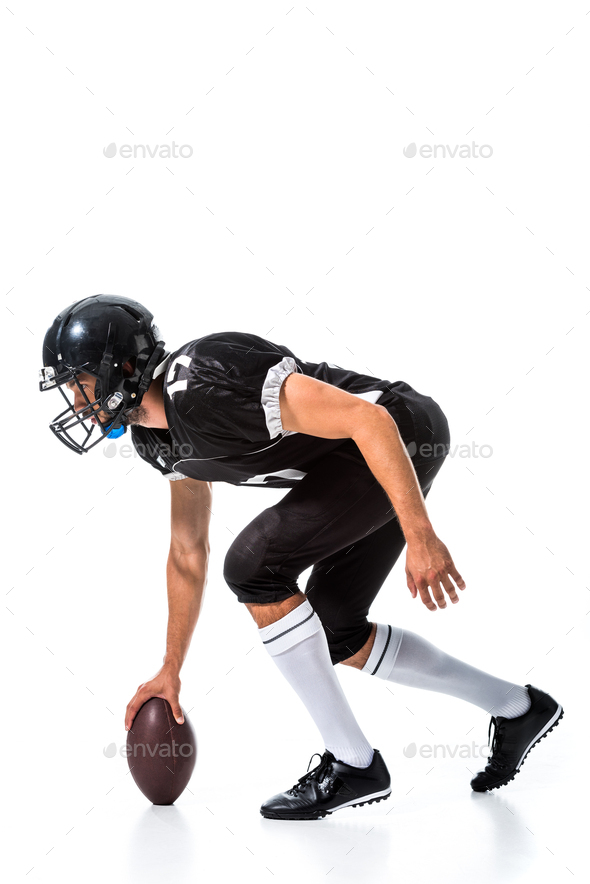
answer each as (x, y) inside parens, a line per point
(497, 759)
(316, 774)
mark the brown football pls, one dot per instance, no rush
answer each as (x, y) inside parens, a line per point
(161, 753)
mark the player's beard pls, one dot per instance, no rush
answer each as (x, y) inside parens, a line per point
(137, 416)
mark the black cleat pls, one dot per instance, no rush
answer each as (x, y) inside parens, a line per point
(514, 738)
(330, 786)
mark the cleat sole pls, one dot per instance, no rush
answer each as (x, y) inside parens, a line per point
(320, 814)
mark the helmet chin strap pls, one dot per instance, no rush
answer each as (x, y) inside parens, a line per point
(148, 372)
(104, 373)
(146, 380)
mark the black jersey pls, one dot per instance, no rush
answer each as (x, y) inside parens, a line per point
(221, 397)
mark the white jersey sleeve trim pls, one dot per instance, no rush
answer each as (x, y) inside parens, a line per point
(270, 395)
(371, 395)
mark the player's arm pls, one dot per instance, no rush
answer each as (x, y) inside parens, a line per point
(186, 577)
(315, 408)
(318, 409)
(188, 560)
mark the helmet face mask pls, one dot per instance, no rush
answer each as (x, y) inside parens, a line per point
(99, 336)
(75, 428)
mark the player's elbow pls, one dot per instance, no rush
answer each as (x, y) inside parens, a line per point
(370, 419)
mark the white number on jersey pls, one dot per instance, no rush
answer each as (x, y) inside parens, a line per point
(173, 386)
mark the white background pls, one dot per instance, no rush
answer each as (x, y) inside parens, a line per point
(298, 218)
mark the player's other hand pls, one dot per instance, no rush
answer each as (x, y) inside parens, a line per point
(428, 565)
(165, 684)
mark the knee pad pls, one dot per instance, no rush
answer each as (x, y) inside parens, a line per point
(247, 573)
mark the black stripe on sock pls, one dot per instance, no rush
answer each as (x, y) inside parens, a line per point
(384, 650)
(297, 625)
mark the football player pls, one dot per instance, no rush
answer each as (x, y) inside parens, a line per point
(357, 455)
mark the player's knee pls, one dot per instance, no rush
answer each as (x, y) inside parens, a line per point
(244, 556)
(239, 568)
(250, 574)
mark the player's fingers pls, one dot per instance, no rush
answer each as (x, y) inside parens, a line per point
(131, 712)
(434, 581)
(422, 586)
(176, 710)
(142, 695)
(411, 584)
(450, 589)
(456, 577)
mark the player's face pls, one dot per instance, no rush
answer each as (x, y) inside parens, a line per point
(87, 382)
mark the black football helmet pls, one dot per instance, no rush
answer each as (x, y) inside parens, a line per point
(99, 335)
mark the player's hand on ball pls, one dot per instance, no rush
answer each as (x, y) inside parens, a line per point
(428, 564)
(165, 684)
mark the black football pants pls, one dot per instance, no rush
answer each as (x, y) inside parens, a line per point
(340, 520)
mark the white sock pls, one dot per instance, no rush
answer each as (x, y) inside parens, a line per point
(406, 658)
(298, 645)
